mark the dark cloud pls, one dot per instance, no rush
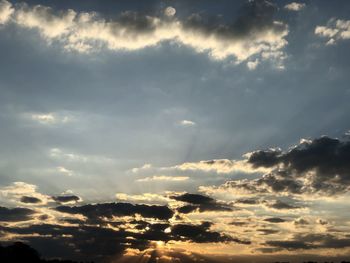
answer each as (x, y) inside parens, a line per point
(30, 200)
(66, 198)
(255, 17)
(193, 198)
(328, 158)
(200, 203)
(324, 162)
(15, 214)
(281, 205)
(109, 210)
(247, 201)
(274, 220)
(311, 241)
(98, 242)
(201, 234)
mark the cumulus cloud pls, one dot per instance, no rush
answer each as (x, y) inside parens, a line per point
(335, 31)
(313, 167)
(6, 10)
(253, 33)
(294, 6)
(20, 192)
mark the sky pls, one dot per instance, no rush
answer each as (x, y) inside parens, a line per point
(176, 131)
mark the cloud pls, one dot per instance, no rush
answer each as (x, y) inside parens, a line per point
(275, 220)
(294, 6)
(30, 200)
(66, 199)
(279, 205)
(6, 10)
(163, 178)
(187, 123)
(143, 198)
(335, 31)
(253, 33)
(312, 241)
(65, 171)
(49, 118)
(252, 64)
(201, 234)
(109, 210)
(318, 167)
(20, 191)
(223, 166)
(15, 214)
(199, 203)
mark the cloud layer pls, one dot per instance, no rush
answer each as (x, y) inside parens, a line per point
(254, 33)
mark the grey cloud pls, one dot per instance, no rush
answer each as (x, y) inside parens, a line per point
(274, 220)
(311, 241)
(66, 198)
(320, 166)
(278, 204)
(199, 203)
(30, 200)
(15, 214)
(95, 211)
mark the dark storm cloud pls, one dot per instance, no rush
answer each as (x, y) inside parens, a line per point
(30, 200)
(95, 211)
(66, 198)
(200, 203)
(15, 214)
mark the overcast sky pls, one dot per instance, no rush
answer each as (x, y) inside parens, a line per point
(245, 103)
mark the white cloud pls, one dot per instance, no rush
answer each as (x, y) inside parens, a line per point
(88, 32)
(187, 123)
(146, 198)
(163, 178)
(62, 155)
(14, 192)
(334, 31)
(294, 6)
(6, 10)
(223, 166)
(144, 167)
(49, 118)
(65, 171)
(252, 64)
